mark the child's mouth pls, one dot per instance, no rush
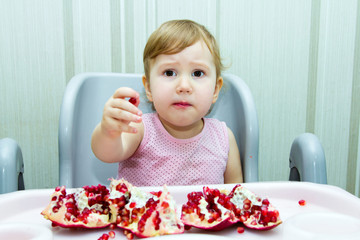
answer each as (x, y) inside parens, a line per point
(182, 104)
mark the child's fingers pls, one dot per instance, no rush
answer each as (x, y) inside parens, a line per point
(121, 115)
(125, 106)
(126, 92)
(115, 127)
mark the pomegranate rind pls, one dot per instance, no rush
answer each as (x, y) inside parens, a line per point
(78, 200)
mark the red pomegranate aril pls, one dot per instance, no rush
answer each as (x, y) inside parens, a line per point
(240, 229)
(121, 188)
(211, 220)
(55, 209)
(112, 234)
(133, 101)
(264, 212)
(302, 202)
(130, 236)
(187, 227)
(165, 205)
(68, 216)
(125, 222)
(104, 237)
(118, 219)
(246, 206)
(243, 218)
(132, 205)
(265, 202)
(134, 217)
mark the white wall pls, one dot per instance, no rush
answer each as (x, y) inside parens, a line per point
(300, 58)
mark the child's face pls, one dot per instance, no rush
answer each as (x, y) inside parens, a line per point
(183, 86)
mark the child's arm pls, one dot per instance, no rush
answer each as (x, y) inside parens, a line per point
(233, 172)
(120, 131)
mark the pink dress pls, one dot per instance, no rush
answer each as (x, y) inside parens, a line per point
(162, 159)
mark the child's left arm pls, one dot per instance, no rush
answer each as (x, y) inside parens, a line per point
(233, 172)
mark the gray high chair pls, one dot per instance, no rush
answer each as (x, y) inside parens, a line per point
(82, 108)
(11, 166)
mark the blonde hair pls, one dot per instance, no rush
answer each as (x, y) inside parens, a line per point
(174, 36)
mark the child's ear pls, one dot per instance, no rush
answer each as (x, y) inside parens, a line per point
(147, 88)
(218, 86)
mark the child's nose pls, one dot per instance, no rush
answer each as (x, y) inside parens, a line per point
(184, 85)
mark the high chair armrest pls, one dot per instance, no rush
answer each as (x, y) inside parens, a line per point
(307, 160)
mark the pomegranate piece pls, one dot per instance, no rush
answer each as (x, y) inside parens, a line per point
(210, 209)
(302, 202)
(85, 207)
(253, 211)
(141, 213)
(213, 209)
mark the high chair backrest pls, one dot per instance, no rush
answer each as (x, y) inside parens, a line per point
(82, 109)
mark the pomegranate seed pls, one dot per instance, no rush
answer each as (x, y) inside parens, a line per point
(165, 204)
(264, 212)
(240, 229)
(63, 192)
(187, 227)
(112, 234)
(266, 220)
(266, 202)
(122, 188)
(55, 209)
(247, 201)
(68, 216)
(104, 237)
(129, 235)
(132, 205)
(133, 101)
(246, 206)
(57, 189)
(302, 202)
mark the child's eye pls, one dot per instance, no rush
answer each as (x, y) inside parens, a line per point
(198, 73)
(169, 73)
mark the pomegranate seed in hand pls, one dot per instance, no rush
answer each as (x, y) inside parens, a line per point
(302, 202)
(133, 101)
(240, 229)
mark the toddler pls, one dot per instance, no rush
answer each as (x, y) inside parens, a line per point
(175, 145)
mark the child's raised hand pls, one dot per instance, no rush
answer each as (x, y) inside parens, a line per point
(119, 112)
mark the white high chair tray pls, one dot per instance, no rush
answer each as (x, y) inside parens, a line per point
(25, 207)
